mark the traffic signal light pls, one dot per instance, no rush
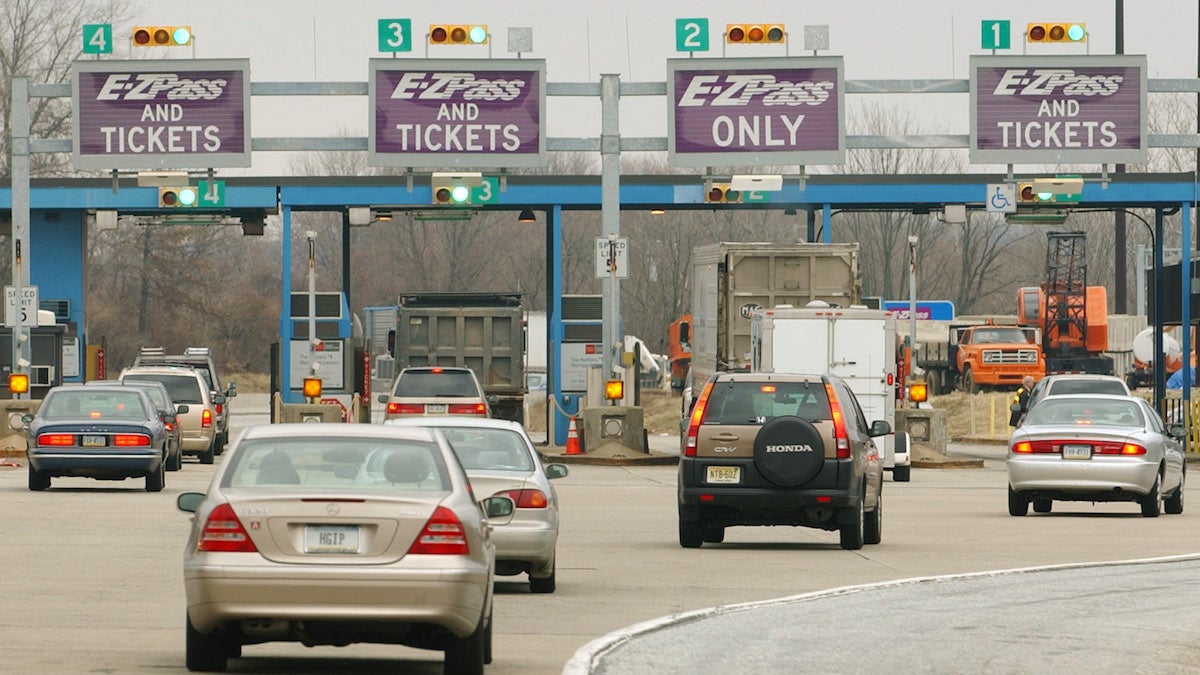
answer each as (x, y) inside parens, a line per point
(454, 189)
(458, 34)
(1055, 32)
(754, 33)
(18, 383)
(721, 193)
(1028, 196)
(184, 197)
(162, 36)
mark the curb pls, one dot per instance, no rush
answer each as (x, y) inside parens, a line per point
(948, 464)
(652, 459)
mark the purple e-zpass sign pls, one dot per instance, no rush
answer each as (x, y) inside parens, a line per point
(1054, 109)
(755, 111)
(162, 114)
(479, 113)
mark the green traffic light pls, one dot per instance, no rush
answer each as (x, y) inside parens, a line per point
(187, 196)
(181, 36)
(478, 34)
(460, 194)
(1045, 196)
(1076, 32)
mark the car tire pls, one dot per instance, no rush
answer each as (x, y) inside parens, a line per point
(852, 533)
(218, 445)
(873, 522)
(38, 480)
(691, 534)
(902, 474)
(1042, 505)
(205, 653)
(1018, 505)
(487, 641)
(175, 461)
(1174, 504)
(206, 457)
(1152, 503)
(789, 469)
(714, 534)
(157, 480)
(544, 584)
(933, 379)
(464, 656)
(969, 385)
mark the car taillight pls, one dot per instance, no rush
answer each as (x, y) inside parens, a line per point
(170, 426)
(442, 535)
(693, 432)
(131, 440)
(406, 409)
(839, 424)
(526, 499)
(1023, 448)
(56, 439)
(224, 532)
(467, 409)
(1119, 449)
(206, 419)
(220, 408)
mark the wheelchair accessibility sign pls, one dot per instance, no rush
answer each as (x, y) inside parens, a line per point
(1001, 198)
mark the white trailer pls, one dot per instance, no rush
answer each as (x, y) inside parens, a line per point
(856, 344)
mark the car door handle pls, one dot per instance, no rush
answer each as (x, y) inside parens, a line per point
(723, 437)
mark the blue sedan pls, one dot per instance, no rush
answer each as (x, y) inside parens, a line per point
(102, 432)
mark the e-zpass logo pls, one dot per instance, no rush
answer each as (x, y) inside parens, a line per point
(743, 89)
(1055, 82)
(447, 86)
(150, 86)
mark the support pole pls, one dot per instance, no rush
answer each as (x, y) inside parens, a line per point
(610, 209)
(20, 221)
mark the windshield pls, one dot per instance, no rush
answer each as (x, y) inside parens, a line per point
(437, 383)
(324, 462)
(493, 449)
(104, 405)
(1085, 411)
(181, 388)
(1114, 387)
(1000, 336)
(741, 402)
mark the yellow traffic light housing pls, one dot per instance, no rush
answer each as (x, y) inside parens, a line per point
(454, 189)
(184, 197)
(312, 387)
(1055, 32)
(918, 392)
(722, 193)
(162, 36)
(458, 34)
(18, 383)
(614, 390)
(754, 33)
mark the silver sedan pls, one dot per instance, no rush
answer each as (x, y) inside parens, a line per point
(291, 544)
(500, 460)
(1095, 448)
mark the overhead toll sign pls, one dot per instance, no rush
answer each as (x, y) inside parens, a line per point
(726, 112)
(1058, 109)
(161, 114)
(478, 113)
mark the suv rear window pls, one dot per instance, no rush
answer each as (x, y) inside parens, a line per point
(1061, 387)
(749, 402)
(181, 388)
(428, 383)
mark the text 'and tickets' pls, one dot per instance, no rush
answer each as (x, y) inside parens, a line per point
(1054, 108)
(149, 113)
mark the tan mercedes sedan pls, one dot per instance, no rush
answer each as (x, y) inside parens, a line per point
(295, 542)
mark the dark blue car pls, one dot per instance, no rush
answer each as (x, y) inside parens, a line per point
(103, 432)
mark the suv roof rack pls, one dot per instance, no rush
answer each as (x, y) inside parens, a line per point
(197, 351)
(154, 351)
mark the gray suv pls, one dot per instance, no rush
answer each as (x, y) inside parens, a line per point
(780, 449)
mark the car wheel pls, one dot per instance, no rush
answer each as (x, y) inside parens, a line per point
(206, 457)
(1018, 505)
(789, 469)
(873, 522)
(1042, 505)
(1174, 504)
(852, 532)
(175, 461)
(38, 480)
(691, 534)
(714, 534)
(1152, 503)
(205, 653)
(969, 385)
(218, 445)
(157, 480)
(464, 656)
(933, 380)
(487, 641)
(543, 584)
(902, 474)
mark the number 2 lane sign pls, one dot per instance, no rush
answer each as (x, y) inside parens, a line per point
(691, 35)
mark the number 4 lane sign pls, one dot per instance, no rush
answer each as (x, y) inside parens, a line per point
(29, 305)
(211, 195)
(97, 38)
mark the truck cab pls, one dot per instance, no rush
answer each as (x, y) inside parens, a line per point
(995, 355)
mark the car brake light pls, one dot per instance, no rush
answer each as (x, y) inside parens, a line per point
(220, 408)
(206, 419)
(839, 424)
(169, 426)
(442, 535)
(526, 499)
(131, 440)
(56, 439)
(1024, 448)
(437, 371)
(467, 409)
(406, 409)
(224, 532)
(693, 432)
(1133, 449)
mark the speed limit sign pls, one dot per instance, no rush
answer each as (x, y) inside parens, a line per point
(29, 305)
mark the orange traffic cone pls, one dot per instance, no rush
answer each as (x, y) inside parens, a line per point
(573, 439)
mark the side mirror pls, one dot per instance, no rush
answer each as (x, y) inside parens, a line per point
(168, 417)
(1016, 407)
(181, 408)
(498, 507)
(1177, 431)
(556, 471)
(880, 428)
(189, 501)
(493, 399)
(219, 399)
(231, 391)
(382, 398)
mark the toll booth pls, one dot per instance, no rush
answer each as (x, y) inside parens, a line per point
(339, 357)
(46, 356)
(582, 348)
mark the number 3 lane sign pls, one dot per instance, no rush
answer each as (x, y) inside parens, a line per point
(395, 35)
(29, 305)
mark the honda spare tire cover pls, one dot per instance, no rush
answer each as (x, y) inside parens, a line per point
(788, 451)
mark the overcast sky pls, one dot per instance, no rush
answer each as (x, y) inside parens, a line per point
(315, 40)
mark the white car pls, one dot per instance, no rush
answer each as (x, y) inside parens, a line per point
(500, 460)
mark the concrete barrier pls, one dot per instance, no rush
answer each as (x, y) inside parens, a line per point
(13, 442)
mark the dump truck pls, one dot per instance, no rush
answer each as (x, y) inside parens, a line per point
(481, 331)
(979, 356)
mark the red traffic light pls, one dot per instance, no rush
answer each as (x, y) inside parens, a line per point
(1037, 33)
(756, 34)
(141, 37)
(722, 194)
(736, 34)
